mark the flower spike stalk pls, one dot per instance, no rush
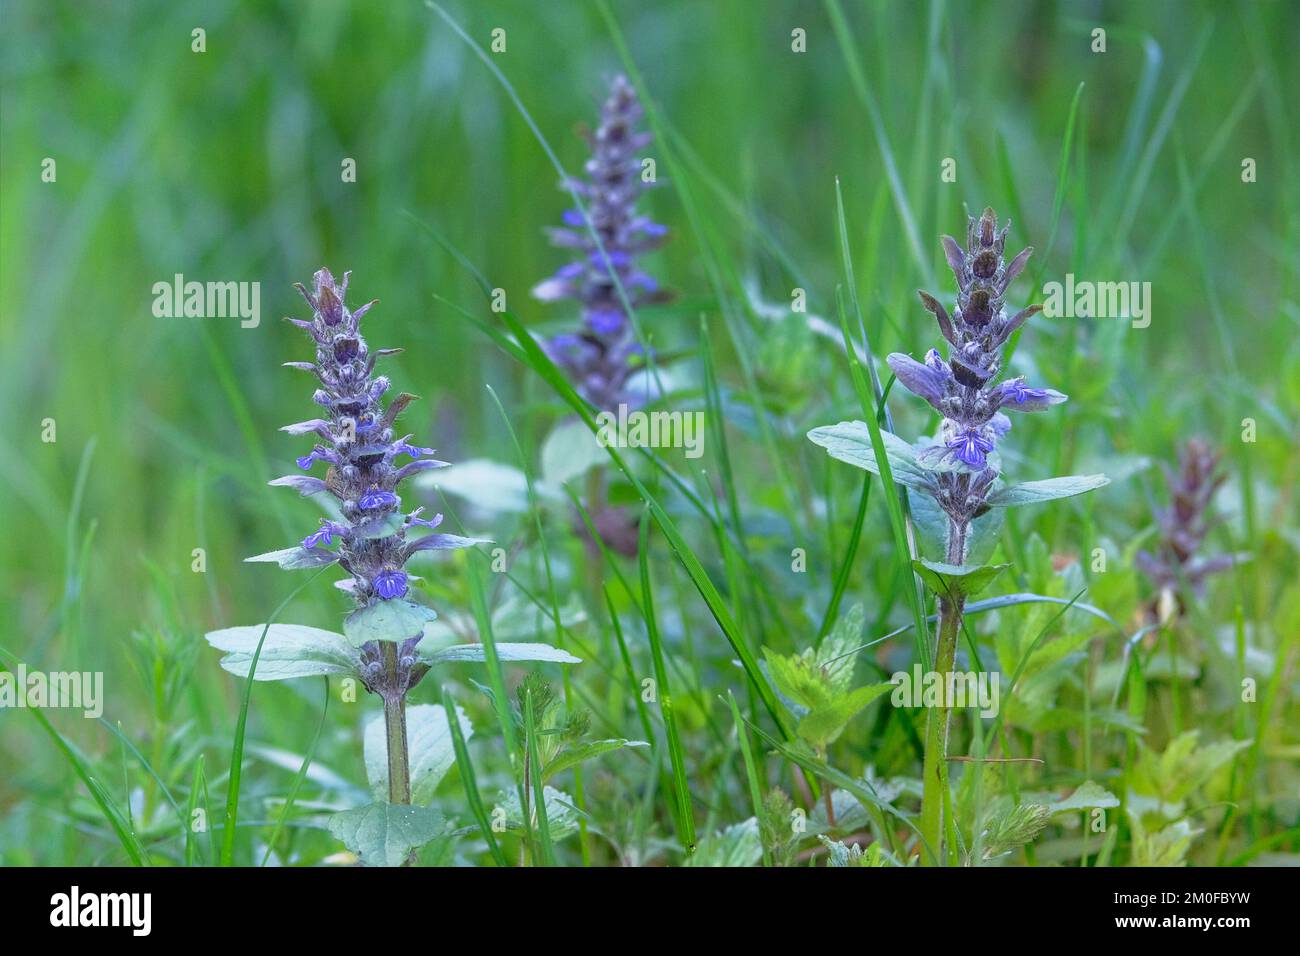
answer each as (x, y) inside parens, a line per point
(1177, 561)
(369, 534)
(367, 464)
(605, 278)
(960, 467)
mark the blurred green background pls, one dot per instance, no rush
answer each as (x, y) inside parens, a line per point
(225, 165)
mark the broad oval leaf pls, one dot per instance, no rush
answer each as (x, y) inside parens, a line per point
(850, 442)
(1032, 492)
(290, 650)
(394, 620)
(384, 834)
(569, 451)
(951, 580)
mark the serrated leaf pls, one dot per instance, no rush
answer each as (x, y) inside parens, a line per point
(429, 747)
(850, 442)
(842, 855)
(952, 580)
(384, 834)
(561, 815)
(825, 723)
(578, 753)
(798, 679)
(505, 652)
(290, 650)
(394, 620)
(293, 559)
(1032, 492)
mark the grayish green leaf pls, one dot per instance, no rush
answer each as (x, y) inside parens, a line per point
(384, 834)
(850, 442)
(290, 650)
(505, 652)
(394, 620)
(1032, 492)
(951, 579)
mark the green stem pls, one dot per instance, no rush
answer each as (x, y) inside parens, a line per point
(399, 765)
(934, 772)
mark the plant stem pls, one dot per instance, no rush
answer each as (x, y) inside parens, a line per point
(399, 765)
(934, 772)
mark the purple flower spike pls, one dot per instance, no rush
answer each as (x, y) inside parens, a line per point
(356, 439)
(390, 584)
(607, 236)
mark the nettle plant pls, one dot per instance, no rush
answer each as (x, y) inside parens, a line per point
(369, 535)
(956, 475)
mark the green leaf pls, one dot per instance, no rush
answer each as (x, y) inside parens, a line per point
(292, 559)
(578, 753)
(486, 484)
(1087, 796)
(384, 834)
(947, 580)
(825, 723)
(738, 845)
(851, 442)
(561, 815)
(842, 855)
(505, 652)
(429, 746)
(290, 650)
(799, 679)
(569, 451)
(1032, 492)
(393, 620)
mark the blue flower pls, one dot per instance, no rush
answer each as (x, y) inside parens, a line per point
(402, 447)
(324, 535)
(390, 584)
(317, 454)
(375, 498)
(971, 448)
(1015, 395)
